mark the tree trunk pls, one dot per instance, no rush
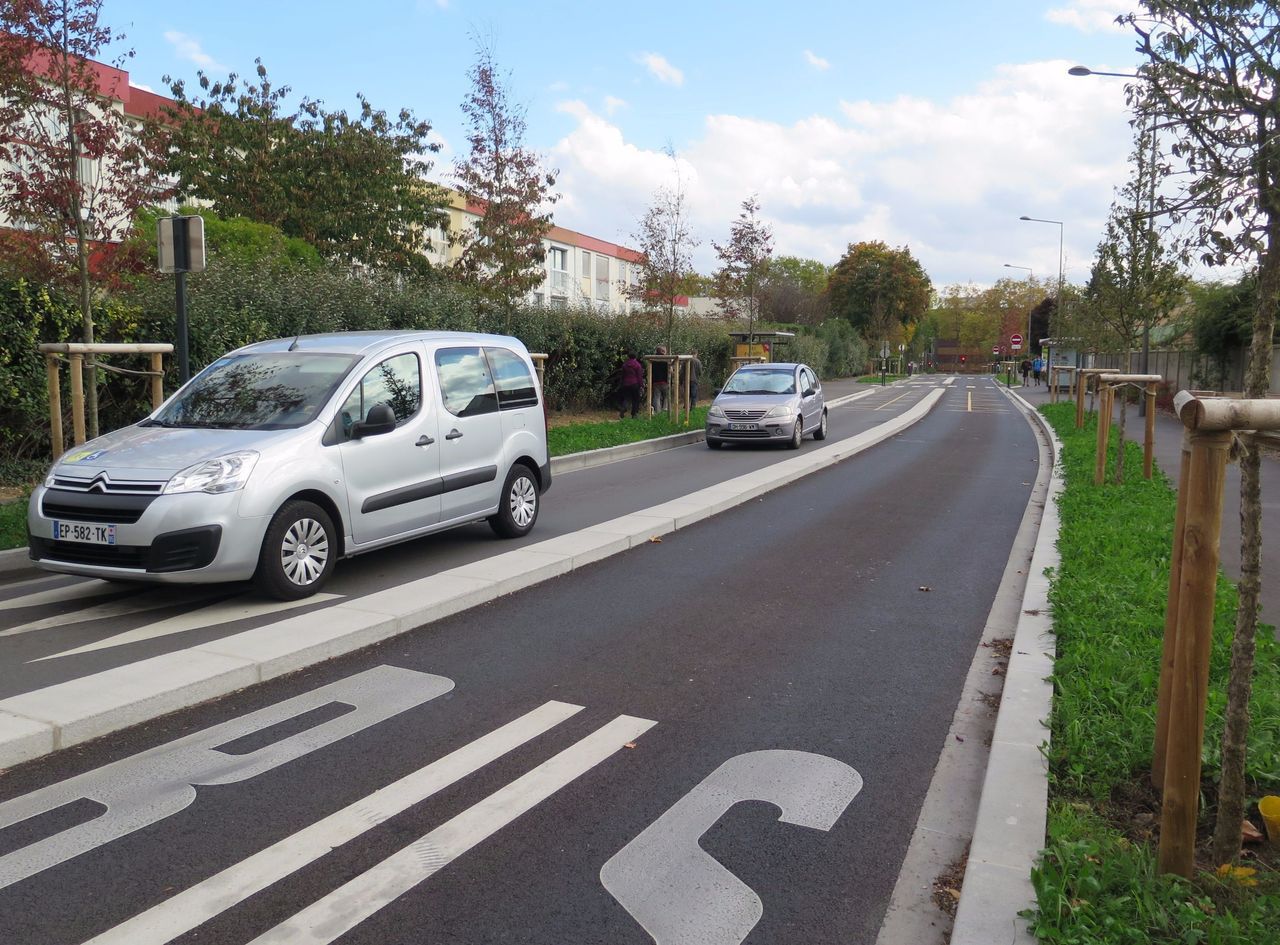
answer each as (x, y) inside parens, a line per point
(1231, 794)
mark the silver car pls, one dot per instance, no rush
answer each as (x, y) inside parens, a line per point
(778, 403)
(281, 457)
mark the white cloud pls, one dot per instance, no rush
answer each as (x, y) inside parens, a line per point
(822, 65)
(612, 103)
(1090, 16)
(188, 47)
(662, 70)
(947, 177)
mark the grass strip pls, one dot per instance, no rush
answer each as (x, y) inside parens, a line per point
(13, 525)
(1096, 882)
(579, 437)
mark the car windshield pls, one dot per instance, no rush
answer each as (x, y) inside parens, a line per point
(762, 381)
(270, 391)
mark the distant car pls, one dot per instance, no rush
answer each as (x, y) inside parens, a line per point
(283, 456)
(777, 403)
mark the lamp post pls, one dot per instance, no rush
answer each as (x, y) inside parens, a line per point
(1151, 221)
(1058, 224)
(1031, 276)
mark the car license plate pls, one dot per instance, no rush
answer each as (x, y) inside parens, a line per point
(744, 426)
(86, 532)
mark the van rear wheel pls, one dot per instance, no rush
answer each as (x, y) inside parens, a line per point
(518, 504)
(297, 553)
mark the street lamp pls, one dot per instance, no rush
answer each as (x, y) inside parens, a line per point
(1031, 276)
(1060, 227)
(1151, 221)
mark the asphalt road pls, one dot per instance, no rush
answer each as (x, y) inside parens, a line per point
(800, 656)
(55, 628)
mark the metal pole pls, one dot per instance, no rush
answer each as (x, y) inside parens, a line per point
(55, 404)
(184, 362)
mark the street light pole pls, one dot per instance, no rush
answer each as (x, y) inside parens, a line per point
(1031, 276)
(1060, 227)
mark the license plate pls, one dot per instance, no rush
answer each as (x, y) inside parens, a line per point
(744, 426)
(86, 532)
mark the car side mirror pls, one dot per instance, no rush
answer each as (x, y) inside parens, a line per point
(381, 419)
(809, 392)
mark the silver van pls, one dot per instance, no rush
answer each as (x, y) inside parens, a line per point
(283, 456)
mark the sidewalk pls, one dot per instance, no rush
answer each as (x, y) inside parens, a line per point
(1168, 446)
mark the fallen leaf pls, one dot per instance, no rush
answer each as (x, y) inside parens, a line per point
(1249, 833)
(998, 671)
(925, 588)
(953, 893)
(655, 539)
(629, 745)
(1241, 874)
(959, 738)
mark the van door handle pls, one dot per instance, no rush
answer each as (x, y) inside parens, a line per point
(424, 440)
(453, 434)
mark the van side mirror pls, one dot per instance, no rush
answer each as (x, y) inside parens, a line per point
(381, 419)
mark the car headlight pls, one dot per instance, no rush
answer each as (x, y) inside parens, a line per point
(717, 412)
(784, 410)
(48, 480)
(223, 474)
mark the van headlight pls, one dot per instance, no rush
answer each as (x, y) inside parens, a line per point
(223, 474)
(717, 412)
(782, 411)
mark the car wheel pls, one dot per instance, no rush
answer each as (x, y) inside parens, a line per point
(797, 434)
(518, 507)
(298, 551)
(821, 432)
(714, 444)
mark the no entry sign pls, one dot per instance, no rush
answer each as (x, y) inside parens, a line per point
(1015, 342)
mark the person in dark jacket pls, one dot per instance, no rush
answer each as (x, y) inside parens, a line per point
(661, 382)
(629, 389)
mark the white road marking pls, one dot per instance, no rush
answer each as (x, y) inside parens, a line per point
(342, 910)
(60, 595)
(221, 613)
(679, 893)
(145, 788)
(154, 600)
(192, 907)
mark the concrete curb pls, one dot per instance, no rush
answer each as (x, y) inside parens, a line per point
(45, 720)
(1013, 813)
(15, 559)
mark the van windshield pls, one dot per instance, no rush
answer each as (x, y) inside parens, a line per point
(270, 391)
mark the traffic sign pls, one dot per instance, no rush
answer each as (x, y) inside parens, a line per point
(995, 349)
(1015, 342)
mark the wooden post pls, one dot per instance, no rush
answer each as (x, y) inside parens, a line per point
(1081, 380)
(77, 398)
(673, 389)
(1149, 434)
(688, 403)
(1190, 679)
(157, 381)
(55, 405)
(1104, 433)
(648, 387)
(1171, 618)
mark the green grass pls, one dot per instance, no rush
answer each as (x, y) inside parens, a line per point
(1108, 598)
(13, 525)
(577, 437)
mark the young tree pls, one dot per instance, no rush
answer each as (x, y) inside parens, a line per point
(507, 184)
(1213, 75)
(666, 242)
(794, 290)
(876, 287)
(744, 265)
(356, 188)
(75, 168)
(1135, 280)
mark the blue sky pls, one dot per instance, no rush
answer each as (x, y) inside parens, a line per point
(931, 124)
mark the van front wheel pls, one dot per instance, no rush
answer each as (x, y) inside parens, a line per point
(518, 504)
(297, 553)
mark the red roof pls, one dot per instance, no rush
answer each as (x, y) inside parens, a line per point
(112, 83)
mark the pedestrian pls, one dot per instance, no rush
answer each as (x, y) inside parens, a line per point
(661, 384)
(695, 372)
(1026, 371)
(1037, 368)
(629, 389)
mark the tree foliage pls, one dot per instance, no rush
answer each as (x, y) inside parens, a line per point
(666, 242)
(507, 186)
(875, 288)
(794, 290)
(355, 187)
(744, 264)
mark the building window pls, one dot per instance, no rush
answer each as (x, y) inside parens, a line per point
(586, 264)
(602, 278)
(558, 261)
